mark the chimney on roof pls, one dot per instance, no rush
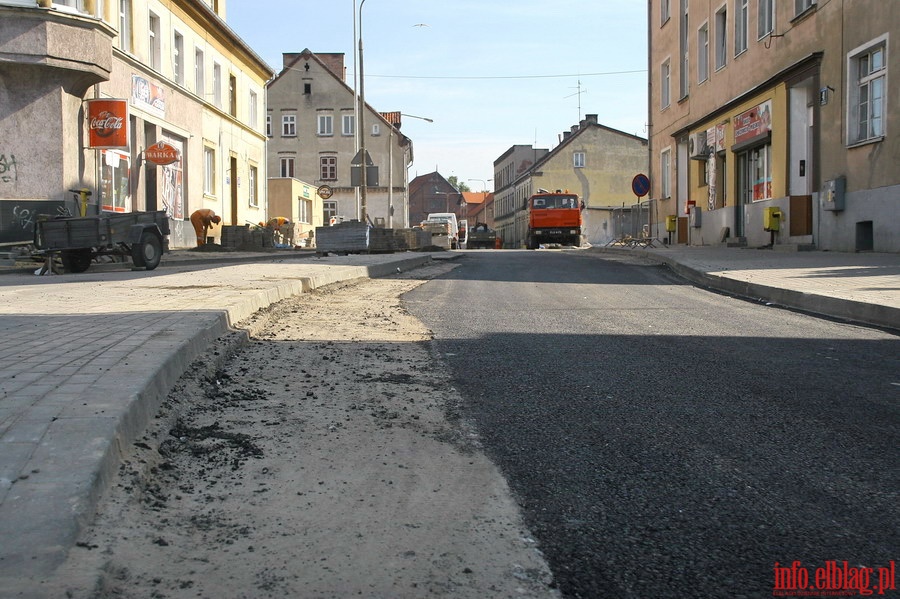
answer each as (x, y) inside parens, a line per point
(335, 63)
(591, 118)
(566, 135)
(288, 57)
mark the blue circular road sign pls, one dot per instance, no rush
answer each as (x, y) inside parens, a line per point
(640, 185)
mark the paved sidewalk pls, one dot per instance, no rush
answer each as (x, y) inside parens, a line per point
(85, 362)
(86, 359)
(861, 287)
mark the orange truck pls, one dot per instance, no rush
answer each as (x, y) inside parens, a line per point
(554, 217)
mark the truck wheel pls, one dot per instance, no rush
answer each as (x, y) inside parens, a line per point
(148, 252)
(77, 260)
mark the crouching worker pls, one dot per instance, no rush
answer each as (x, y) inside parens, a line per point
(202, 220)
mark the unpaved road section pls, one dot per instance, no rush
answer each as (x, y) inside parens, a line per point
(323, 458)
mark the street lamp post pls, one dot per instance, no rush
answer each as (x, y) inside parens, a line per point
(362, 130)
(391, 175)
(484, 183)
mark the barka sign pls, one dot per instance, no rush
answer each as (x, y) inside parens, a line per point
(107, 124)
(161, 154)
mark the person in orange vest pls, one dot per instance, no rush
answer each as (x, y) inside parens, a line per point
(202, 220)
(278, 222)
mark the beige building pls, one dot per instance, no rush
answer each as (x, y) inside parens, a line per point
(298, 202)
(594, 161)
(313, 136)
(173, 71)
(772, 114)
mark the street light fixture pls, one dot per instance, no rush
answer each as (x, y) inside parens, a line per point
(391, 176)
(483, 191)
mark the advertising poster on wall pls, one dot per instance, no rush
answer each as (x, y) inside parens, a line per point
(173, 182)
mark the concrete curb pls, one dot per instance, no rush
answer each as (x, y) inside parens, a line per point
(822, 305)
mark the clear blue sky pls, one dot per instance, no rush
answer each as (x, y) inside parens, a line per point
(491, 73)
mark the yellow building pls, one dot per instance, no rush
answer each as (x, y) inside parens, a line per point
(300, 203)
(594, 161)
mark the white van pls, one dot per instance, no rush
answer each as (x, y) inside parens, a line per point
(452, 226)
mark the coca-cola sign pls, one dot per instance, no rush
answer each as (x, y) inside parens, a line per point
(107, 124)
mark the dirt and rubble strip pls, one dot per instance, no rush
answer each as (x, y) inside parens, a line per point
(323, 458)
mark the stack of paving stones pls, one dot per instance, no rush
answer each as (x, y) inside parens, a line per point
(247, 237)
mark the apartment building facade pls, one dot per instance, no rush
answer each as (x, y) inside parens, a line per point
(511, 188)
(313, 135)
(775, 114)
(103, 95)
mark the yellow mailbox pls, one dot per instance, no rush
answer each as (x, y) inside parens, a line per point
(772, 218)
(671, 223)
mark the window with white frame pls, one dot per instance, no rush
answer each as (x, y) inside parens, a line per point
(209, 171)
(178, 58)
(125, 25)
(254, 108)
(867, 70)
(765, 18)
(376, 130)
(665, 11)
(76, 5)
(328, 168)
(287, 166)
(232, 95)
(217, 84)
(348, 124)
(721, 37)
(326, 125)
(665, 173)
(665, 76)
(304, 209)
(253, 176)
(741, 25)
(199, 73)
(288, 125)
(703, 53)
(329, 210)
(801, 6)
(578, 160)
(155, 42)
(268, 125)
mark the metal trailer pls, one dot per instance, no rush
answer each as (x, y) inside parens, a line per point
(78, 240)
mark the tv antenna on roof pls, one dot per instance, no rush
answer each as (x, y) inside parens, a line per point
(578, 93)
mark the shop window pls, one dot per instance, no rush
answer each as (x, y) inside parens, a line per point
(115, 192)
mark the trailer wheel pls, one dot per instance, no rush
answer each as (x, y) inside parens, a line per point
(148, 252)
(76, 260)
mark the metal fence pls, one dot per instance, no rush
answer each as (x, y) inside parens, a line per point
(632, 221)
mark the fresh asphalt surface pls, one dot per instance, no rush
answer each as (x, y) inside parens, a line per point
(666, 441)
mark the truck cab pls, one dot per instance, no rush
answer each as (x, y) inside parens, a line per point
(554, 217)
